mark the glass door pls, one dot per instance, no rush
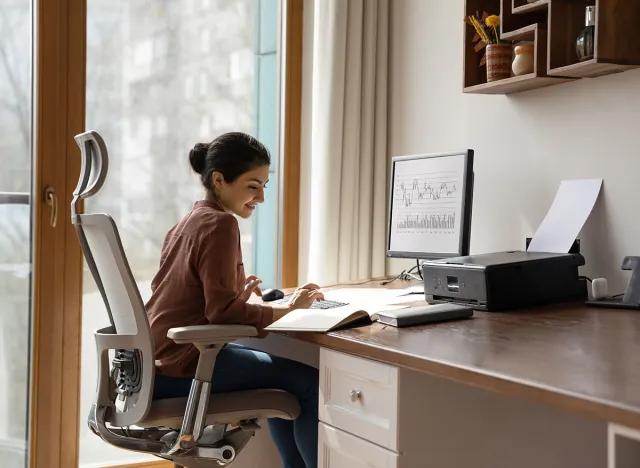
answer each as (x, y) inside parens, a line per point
(16, 228)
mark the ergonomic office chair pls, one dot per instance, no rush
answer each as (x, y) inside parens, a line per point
(198, 431)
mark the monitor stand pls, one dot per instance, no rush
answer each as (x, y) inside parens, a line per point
(631, 297)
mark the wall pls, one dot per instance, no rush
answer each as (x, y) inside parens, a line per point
(524, 143)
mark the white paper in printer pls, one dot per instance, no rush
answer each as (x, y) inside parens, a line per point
(566, 217)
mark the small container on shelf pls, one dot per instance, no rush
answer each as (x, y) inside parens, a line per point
(524, 62)
(585, 43)
(499, 61)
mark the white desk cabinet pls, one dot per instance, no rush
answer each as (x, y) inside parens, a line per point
(360, 413)
(378, 415)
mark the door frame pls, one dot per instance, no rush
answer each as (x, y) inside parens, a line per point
(59, 106)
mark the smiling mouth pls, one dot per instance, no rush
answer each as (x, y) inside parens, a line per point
(251, 206)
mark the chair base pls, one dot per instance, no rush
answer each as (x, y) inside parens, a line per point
(217, 447)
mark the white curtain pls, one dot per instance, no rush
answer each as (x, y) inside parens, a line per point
(348, 144)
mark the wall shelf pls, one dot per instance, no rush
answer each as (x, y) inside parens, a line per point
(514, 84)
(527, 33)
(522, 6)
(590, 69)
(553, 26)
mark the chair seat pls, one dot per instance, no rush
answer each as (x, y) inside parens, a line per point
(226, 408)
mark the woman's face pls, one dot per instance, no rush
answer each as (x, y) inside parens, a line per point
(243, 194)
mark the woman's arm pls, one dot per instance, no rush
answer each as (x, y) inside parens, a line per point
(217, 266)
(218, 262)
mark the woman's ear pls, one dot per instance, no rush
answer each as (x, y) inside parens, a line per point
(217, 179)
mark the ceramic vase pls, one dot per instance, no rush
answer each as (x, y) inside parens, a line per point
(499, 58)
(523, 63)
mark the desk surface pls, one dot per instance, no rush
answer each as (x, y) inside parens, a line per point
(578, 358)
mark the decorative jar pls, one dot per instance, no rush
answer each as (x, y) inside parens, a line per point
(523, 64)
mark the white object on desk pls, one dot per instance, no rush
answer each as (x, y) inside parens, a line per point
(599, 288)
(570, 209)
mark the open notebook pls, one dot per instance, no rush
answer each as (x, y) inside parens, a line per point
(325, 320)
(363, 306)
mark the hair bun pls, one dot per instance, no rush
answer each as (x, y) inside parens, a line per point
(198, 156)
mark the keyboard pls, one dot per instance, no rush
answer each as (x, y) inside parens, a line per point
(326, 304)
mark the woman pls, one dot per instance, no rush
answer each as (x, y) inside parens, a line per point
(201, 280)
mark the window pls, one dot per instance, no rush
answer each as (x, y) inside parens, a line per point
(161, 126)
(150, 185)
(205, 39)
(15, 233)
(203, 82)
(188, 87)
(143, 52)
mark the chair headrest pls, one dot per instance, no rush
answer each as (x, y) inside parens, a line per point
(94, 167)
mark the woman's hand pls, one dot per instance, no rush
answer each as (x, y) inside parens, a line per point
(250, 287)
(305, 295)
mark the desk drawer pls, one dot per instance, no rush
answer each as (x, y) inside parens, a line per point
(337, 449)
(359, 396)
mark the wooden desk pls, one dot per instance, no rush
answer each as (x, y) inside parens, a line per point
(580, 359)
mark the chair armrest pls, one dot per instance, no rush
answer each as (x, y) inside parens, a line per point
(211, 334)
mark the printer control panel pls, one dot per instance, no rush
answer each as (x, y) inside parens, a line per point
(449, 283)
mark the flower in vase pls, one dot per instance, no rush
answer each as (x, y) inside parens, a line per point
(493, 21)
(487, 31)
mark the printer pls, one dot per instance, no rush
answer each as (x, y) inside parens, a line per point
(505, 280)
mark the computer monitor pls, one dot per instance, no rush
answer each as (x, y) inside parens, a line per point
(430, 205)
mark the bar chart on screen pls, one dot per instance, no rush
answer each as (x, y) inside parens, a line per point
(428, 221)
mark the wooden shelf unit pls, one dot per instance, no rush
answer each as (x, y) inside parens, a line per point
(553, 26)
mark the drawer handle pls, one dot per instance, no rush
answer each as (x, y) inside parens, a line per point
(355, 395)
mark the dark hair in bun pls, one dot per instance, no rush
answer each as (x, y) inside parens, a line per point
(232, 154)
(197, 157)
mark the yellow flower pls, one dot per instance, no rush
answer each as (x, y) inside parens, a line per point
(493, 21)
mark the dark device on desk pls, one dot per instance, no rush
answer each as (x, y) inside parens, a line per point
(271, 295)
(420, 315)
(505, 280)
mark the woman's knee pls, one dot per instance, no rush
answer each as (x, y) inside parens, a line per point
(311, 380)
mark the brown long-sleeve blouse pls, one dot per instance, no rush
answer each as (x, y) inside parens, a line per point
(200, 279)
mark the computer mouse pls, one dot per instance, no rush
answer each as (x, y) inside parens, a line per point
(272, 295)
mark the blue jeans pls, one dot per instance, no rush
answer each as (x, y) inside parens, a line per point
(241, 368)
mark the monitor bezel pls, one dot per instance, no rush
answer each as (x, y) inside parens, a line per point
(467, 202)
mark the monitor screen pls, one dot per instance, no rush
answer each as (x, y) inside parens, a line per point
(430, 205)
